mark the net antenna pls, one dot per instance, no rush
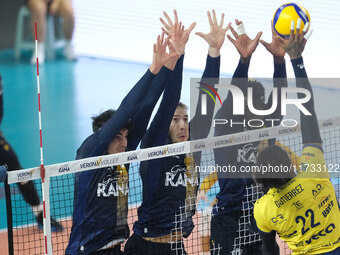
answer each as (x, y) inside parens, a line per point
(45, 185)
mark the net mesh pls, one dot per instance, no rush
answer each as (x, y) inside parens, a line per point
(28, 238)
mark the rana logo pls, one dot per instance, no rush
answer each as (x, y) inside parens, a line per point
(204, 97)
(132, 157)
(327, 123)
(247, 153)
(112, 184)
(63, 169)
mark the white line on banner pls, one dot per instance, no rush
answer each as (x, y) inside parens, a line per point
(162, 151)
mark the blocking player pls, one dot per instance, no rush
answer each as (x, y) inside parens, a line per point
(101, 196)
(229, 209)
(170, 184)
(302, 209)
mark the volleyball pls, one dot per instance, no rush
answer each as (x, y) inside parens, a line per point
(285, 14)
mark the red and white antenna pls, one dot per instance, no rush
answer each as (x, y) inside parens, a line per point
(45, 191)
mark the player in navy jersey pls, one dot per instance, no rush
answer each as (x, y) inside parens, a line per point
(27, 189)
(170, 184)
(228, 210)
(100, 205)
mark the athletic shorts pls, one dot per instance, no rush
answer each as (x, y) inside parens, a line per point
(136, 245)
(111, 251)
(228, 235)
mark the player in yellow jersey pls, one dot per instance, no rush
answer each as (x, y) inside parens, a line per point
(301, 208)
(207, 184)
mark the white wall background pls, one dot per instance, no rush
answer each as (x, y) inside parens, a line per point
(127, 29)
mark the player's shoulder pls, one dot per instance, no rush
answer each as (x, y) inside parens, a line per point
(264, 210)
(312, 156)
(311, 150)
(261, 205)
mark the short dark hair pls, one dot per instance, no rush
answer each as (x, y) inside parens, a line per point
(99, 120)
(273, 155)
(258, 91)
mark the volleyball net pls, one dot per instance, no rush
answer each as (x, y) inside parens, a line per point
(25, 236)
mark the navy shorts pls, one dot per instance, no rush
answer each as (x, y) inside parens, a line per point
(226, 232)
(136, 245)
(111, 251)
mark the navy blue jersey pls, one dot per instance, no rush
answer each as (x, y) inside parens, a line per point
(170, 184)
(101, 196)
(232, 190)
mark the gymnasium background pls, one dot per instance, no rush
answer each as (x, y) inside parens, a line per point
(113, 40)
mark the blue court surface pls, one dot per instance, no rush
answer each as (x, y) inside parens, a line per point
(72, 92)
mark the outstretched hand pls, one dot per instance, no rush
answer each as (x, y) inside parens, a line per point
(169, 29)
(244, 45)
(276, 47)
(160, 56)
(297, 40)
(215, 38)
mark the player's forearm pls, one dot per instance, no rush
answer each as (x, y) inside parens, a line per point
(280, 69)
(241, 70)
(279, 81)
(209, 79)
(309, 123)
(240, 77)
(141, 118)
(158, 131)
(213, 52)
(127, 108)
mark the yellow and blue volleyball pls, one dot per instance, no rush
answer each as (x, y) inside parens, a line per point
(285, 14)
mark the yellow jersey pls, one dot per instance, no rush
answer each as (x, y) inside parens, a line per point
(305, 212)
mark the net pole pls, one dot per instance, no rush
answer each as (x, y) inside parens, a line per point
(45, 184)
(9, 217)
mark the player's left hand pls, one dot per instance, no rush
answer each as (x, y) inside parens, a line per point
(215, 38)
(160, 56)
(170, 28)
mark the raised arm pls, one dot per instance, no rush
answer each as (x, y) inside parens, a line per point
(245, 47)
(294, 48)
(171, 29)
(158, 131)
(276, 48)
(201, 124)
(141, 118)
(98, 142)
